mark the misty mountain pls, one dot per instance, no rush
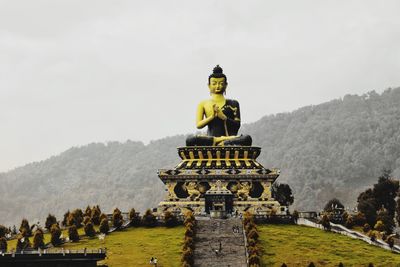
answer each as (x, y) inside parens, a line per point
(335, 149)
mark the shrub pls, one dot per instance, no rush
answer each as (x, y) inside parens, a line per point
(88, 211)
(104, 227)
(50, 220)
(189, 232)
(254, 260)
(360, 219)
(3, 230)
(253, 234)
(187, 257)
(188, 243)
(89, 229)
(349, 222)
(23, 242)
(102, 217)
(117, 218)
(134, 217)
(189, 217)
(95, 215)
(3, 244)
(379, 226)
(390, 242)
(325, 222)
(253, 250)
(55, 232)
(387, 220)
(295, 216)
(73, 233)
(149, 219)
(333, 204)
(189, 225)
(247, 218)
(170, 219)
(366, 228)
(345, 216)
(75, 218)
(25, 226)
(372, 235)
(65, 218)
(251, 242)
(250, 226)
(86, 220)
(38, 239)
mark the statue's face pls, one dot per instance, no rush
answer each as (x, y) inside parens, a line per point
(217, 85)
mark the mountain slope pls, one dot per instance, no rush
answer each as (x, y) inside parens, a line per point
(333, 149)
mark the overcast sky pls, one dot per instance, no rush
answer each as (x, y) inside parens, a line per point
(76, 72)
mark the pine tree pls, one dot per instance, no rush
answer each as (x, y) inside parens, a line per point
(3, 231)
(38, 239)
(104, 226)
(23, 241)
(75, 218)
(134, 217)
(325, 222)
(149, 219)
(25, 228)
(88, 211)
(3, 244)
(95, 215)
(65, 218)
(89, 229)
(55, 232)
(170, 219)
(333, 204)
(50, 220)
(73, 233)
(387, 220)
(117, 218)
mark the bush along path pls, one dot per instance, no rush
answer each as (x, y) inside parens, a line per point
(219, 242)
(340, 229)
(251, 240)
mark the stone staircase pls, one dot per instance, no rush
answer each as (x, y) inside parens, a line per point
(213, 233)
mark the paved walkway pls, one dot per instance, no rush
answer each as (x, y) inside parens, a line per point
(337, 228)
(213, 233)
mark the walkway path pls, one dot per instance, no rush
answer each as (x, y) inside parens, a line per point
(337, 228)
(213, 233)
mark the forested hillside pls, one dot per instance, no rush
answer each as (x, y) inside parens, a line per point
(336, 149)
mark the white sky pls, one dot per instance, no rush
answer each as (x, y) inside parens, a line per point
(75, 72)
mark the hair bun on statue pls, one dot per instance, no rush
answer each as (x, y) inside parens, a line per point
(217, 70)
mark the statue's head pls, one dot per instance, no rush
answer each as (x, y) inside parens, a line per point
(217, 81)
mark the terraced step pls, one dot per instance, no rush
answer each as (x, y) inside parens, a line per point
(213, 234)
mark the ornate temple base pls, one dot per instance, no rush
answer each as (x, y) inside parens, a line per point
(225, 179)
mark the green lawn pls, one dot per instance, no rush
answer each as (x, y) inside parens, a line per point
(299, 245)
(133, 246)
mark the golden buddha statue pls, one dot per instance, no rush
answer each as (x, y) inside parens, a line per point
(220, 115)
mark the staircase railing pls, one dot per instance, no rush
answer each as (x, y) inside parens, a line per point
(245, 243)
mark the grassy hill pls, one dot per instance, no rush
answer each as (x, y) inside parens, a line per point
(133, 246)
(299, 245)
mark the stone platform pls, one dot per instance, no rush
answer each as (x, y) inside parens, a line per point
(231, 168)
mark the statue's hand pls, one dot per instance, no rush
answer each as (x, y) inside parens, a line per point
(216, 111)
(221, 115)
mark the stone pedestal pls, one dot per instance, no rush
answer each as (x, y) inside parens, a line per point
(233, 169)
